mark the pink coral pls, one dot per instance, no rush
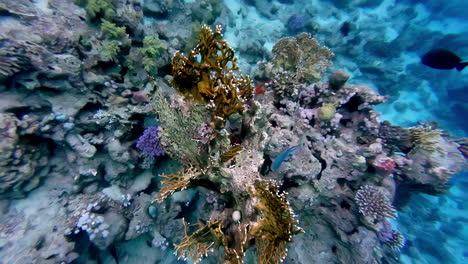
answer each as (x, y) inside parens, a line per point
(384, 166)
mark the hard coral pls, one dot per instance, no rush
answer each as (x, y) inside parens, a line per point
(100, 8)
(152, 48)
(302, 55)
(384, 166)
(199, 243)
(12, 60)
(327, 112)
(373, 203)
(276, 225)
(208, 75)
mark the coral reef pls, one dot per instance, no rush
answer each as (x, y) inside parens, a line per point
(110, 150)
(373, 204)
(211, 77)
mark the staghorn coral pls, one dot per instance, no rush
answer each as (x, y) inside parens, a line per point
(463, 146)
(373, 203)
(208, 75)
(396, 241)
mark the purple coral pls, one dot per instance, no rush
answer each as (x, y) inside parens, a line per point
(374, 203)
(149, 143)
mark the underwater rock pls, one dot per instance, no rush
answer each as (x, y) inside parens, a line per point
(117, 224)
(80, 145)
(22, 164)
(338, 79)
(140, 222)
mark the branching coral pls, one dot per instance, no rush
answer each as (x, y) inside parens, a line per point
(199, 243)
(373, 203)
(112, 30)
(397, 241)
(208, 75)
(390, 237)
(276, 225)
(100, 8)
(152, 48)
(176, 182)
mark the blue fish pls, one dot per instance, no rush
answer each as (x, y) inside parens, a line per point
(282, 157)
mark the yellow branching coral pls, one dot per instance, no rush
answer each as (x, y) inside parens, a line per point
(209, 236)
(276, 225)
(201, 242)
(208, 75)
(176, 182)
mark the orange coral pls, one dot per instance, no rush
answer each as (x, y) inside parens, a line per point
(276, 225)
(176, 182)
(208, 74)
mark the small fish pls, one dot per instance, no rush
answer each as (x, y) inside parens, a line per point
(282, 157)
(400, 153)
(345, 28)
(443, 59)
(259, 89)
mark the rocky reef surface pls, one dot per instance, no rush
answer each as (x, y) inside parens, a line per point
(115, 147)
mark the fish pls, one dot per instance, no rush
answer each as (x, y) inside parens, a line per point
(443, 59)
(345, 28)
(282, 157)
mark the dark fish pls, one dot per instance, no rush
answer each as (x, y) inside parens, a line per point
(443, 59)
(345, 28)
